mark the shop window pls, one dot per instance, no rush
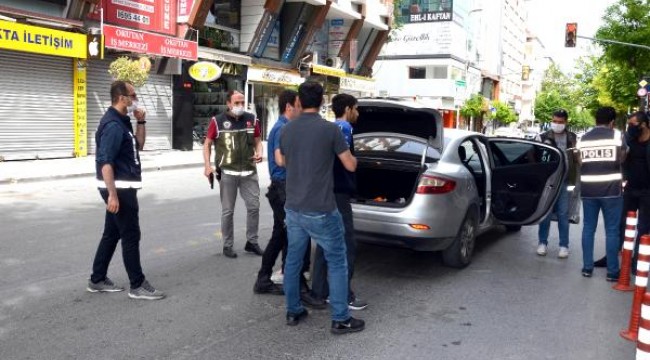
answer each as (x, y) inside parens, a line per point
(225, 13)
(417, 73)
(439, 72)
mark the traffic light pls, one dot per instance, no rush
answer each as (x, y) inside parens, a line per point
(570, 35)
(525, 73)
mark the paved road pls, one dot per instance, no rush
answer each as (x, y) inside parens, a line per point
(509, 304)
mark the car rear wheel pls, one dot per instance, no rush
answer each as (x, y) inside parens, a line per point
(459, 253)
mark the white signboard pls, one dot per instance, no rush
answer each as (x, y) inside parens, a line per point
(426, 39)
(274, 76)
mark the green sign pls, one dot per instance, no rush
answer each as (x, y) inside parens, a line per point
(460, 83)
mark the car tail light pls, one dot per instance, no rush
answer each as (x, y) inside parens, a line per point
(420, 226)
(435, 185)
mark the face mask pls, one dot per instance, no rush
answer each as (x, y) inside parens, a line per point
(633, 131)
(557, 128)
(238, 110)
(132, 107)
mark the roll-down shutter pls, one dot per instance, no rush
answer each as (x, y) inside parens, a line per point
(155, 95)
(36, 106)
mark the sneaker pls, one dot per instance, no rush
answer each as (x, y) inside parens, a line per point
(266, 286)
(347, 326)
(564, 252)
(229, 252)
(587, 273)
(277, 277)
(103, 286)
(309, 300)
(612, 277)
(253, 248)
(541, 250)
(357, 304)
(294, 319)
(146, 292)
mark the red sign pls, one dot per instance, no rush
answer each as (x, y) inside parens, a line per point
(184, 10)
(147, 43)
(150, 15)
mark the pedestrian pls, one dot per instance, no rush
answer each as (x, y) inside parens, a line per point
(289, 110)
(563, 139)
(238, 148)
(118, 168)
(308, 146)
(602, 151)
(346, 112)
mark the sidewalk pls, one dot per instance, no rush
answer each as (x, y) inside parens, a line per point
(52, 169)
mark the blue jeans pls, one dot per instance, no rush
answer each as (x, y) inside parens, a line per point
(612, 210)
(561, 210)
(326, 228)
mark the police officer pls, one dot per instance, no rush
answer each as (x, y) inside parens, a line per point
(238, 149)
(602, 152)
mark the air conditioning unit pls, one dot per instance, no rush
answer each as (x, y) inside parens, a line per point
(334, 62)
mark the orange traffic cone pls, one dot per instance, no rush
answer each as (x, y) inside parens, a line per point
(643, 343)
(641, 281)
(628, 246)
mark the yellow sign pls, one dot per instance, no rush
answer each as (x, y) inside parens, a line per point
(34, 39)
(80, 114)
(326, 70)
(205, 71)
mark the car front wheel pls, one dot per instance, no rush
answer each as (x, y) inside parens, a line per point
(459, 253)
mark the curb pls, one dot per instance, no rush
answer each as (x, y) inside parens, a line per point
(9, 181)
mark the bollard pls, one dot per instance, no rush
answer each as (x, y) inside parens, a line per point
(641, 281)
(626, 259)
(643, 344)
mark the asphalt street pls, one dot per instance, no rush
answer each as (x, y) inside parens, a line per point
(508, 304)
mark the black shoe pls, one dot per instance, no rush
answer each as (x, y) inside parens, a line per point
(294, 319)
(253, 248)
(347, 326)
(612, 277)
(309, 300)
(601, 263)
(229, 252)
(587, 273)
(266, 286)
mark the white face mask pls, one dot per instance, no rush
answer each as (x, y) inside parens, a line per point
(238, 110)
(132, 107)
(558, 128)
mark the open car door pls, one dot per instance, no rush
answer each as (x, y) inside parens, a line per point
(526, 177)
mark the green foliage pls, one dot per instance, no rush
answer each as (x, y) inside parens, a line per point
(473, 107)
(555, 80)
(125, 69)
(547, 102)
(503, 113)
(626, 21)
(581, 119)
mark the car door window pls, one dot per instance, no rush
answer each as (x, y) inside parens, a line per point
(525, 179)
(470, 157)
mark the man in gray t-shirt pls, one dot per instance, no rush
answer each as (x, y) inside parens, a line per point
(308, 146)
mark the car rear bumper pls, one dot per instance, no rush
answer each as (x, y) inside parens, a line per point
(413, 243)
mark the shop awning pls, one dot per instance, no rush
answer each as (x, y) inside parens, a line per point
(39, 19)
(225, 56)
(337, 11)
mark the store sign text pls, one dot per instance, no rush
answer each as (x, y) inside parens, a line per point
(274, 76)
(148, 43)
(14, 36)
(205, 71)
(151, 15)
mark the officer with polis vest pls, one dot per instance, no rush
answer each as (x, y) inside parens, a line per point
(602, 152)
(238, 148)
(563, 139)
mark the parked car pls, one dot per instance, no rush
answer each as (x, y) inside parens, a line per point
(421, 189)
(508, 132)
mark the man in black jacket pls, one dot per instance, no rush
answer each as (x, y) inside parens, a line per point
(119, 178)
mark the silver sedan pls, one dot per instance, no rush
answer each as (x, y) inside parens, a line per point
(427, 188)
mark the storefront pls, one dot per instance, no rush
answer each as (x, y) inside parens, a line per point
(263, 91)
(200, 92)
(357, 86)
(37, 111)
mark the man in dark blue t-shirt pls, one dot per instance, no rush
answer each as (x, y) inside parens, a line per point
(308, 147)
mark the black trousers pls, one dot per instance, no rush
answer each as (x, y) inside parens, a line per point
(124, 225)
(319, 284)
(636, 200)
(278, 243)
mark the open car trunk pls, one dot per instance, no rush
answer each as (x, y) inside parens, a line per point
(386, 182)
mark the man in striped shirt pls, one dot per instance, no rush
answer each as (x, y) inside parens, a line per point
(602, 152)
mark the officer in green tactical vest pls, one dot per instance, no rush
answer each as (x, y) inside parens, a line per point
(238, 148)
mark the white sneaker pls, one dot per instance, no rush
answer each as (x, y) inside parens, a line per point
(564, 252)
(278, 277)
(541, 250)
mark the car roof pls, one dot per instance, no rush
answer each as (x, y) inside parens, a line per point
(365, 101)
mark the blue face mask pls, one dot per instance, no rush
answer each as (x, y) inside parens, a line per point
(633, 131)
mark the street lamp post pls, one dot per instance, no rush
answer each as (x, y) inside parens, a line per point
(467, 56)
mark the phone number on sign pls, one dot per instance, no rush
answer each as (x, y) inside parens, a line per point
(125, 15)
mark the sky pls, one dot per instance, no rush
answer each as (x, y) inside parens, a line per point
(547, 19)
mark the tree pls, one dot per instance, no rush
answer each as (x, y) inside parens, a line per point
(473, 107)
(626, 21)
(503, 113)
(548, 102)
(555, 79)
(134, 71)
